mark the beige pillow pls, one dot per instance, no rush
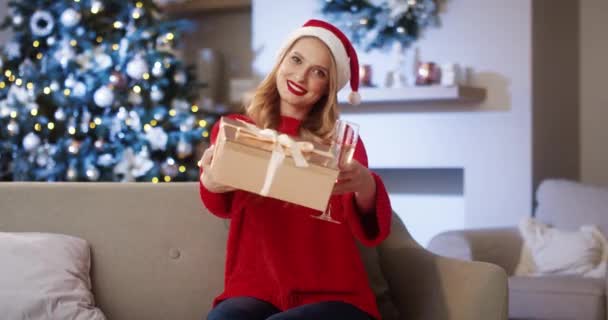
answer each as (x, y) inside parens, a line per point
(547, 250)
(45, 276)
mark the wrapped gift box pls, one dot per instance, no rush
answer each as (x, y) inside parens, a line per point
(249, 158)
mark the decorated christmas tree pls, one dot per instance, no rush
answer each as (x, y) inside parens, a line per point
(379, 24)
(92, 90)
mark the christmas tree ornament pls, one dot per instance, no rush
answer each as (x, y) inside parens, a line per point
(156, 94)
(102, 60)
(187, 124)
(96, 6)
(17, 20)
(31, 141)
(158, 70)
(184, 149)
(79, 90)
(132, 165)
(74, 147)
(42, 23)
(70, 18)
(71, 174)
(105, 160)
(104, 97)
(50, 40)
(157, 138)
(135, 98)
(12, 128)
(99, 144)
(13, 50)
(92, 173)
(59, 114)
(169, 168)
(137, 67)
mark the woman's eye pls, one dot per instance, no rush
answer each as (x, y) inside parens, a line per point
(320, 73)
(296, 59)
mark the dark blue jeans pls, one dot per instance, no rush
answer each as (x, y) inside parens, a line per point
(247, 308)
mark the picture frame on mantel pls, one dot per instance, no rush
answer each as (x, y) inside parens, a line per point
(194, 7)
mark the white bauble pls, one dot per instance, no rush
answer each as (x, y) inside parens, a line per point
(31, 141)
(158, 70)
(157, 137)
(103, 60)
(135, 98)
(42, 23)
(104, 97)
(70, 18)
(156, 94)
(80, 89)
(60, 114)
(92, 173)
(18, 20)
(137, 67)
(13, 128)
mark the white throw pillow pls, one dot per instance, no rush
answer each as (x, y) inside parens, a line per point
(548, 250)
(45, 276)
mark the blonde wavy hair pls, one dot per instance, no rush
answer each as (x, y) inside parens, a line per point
(318, 125)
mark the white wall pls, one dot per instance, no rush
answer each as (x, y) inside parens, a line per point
(594, 101)
(492, 142)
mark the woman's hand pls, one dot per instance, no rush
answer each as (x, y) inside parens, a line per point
(207, 178)
(354, 177)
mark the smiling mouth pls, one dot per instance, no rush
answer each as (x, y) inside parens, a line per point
(295, 89)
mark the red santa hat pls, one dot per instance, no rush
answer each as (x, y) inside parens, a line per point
(347, 64)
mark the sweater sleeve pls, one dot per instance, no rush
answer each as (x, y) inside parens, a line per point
(220, 204)
(372, 227)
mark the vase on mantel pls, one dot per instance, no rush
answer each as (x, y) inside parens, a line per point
(397, 77)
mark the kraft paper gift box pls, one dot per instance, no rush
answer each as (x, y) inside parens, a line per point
(267, 163)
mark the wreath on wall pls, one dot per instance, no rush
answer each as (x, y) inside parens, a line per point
(380, 26)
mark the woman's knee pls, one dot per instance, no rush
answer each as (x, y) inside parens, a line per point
(242, 308)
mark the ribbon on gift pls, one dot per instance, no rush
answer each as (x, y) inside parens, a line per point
(280, 142)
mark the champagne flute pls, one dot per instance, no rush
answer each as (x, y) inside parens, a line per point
(346, 135)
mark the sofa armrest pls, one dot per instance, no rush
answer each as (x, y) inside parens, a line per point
(500, 246)
(427, 286)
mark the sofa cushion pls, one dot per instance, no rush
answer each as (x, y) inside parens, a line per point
(548, 250)
(45, 276)
(556, 297)
(569, 204)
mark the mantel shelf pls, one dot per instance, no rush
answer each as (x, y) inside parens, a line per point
(416, 94)
(194, 7)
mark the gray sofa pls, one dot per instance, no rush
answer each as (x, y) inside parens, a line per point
(565, 205)
(157, 253)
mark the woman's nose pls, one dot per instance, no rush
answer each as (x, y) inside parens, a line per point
(300, 75)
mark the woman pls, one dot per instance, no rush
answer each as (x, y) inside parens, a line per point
(281, 263)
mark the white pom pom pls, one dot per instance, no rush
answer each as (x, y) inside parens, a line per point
(354, 98)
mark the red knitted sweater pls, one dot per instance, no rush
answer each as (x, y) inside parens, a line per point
(277, 253)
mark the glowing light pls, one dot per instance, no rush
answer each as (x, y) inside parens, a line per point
(19, 82)
(194, 108)
(39, 56)
(167, 179)
(13, 114)
(139, 4)
(99, 39)
(170, 36)
(182, 169)
(172, 112)
(36, 44)
(146, 76)
(67, 92)
(50, 125)
(137, 89)
(155, 180)
(205, 134)
(147, 127)
(97, 121)
(72, 130)
(30, 85)
(118, 25)
(34, 112)
(73, 43)
(37, 127)
(115, 47)
(47, 90)
(202, 123)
